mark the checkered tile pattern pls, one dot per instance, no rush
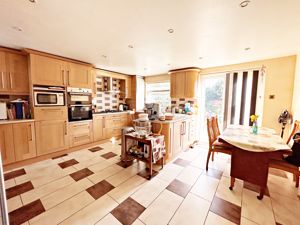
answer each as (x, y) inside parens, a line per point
(180, 102)
(92, 186)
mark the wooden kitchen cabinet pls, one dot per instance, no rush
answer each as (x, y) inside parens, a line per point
(14, 73)
(51, 136)
(7, 144)
(80, 133)
(177, 139)
(184, 83)
(24, 140)
(47, 71)
(98, 126)
(79, 76)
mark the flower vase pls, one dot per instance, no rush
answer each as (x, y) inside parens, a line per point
(254, 127)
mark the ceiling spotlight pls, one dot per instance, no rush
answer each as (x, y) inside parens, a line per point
(244, 4)
(145, 69)
(169, 64)
(247, 49)
(104, 56)
(32, 1)
(130, 46)
(171, 31)
(200, 58)
(17, 28)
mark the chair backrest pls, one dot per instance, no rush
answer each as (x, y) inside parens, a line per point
(215, 126)
(210, 131)
(294, 130)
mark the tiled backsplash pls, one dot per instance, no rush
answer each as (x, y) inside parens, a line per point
(107, 100)
(179, 102)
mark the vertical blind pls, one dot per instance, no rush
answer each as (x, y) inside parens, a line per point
(243, 96)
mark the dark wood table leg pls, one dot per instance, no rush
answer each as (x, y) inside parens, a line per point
(261, 193)
(232, 180)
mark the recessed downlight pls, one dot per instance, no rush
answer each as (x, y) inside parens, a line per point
(200, 58)
(171, 31)
(247, 49)
(17, 28)
(169, 64)
(104, 56)
(33, 1)
(130, 46)
(244, 4)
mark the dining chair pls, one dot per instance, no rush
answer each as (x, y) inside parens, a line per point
(281, 164)
(215, 145)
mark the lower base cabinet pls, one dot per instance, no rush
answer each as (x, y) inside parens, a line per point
(80, 133)
(51, 136)
(98, 125)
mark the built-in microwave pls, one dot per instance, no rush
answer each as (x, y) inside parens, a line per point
(49, 96)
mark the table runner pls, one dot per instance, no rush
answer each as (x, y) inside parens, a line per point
(242, 137)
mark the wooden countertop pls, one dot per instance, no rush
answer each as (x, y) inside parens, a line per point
(177, 117)
(3, 122)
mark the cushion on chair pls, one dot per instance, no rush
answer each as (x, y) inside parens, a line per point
(283, 165)
(218, 144)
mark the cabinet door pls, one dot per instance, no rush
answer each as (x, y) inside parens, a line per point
(51, 136)
(185, 135)
(180, 84)
(79, 76)
(18, 73)
(128, 89)
(47, 71)
(80, 133)
(98, 123)
(173, 86)
(177, 138)
(24, 141)
(191, 84)
(4, 85)
(7, 144)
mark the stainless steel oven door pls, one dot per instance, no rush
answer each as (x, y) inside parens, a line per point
(79, 99)
(80, 112)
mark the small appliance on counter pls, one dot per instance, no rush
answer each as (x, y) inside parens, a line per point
(79, 104)
(3, 111)
(152, 109)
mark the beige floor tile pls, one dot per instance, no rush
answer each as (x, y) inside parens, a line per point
(194, 209)
(127, 188)
(122, 176)
(205, 187)
(14, 203)
(63, 210)
(189, 175)
(245, 221)
(234, 196)
(63, 194)
(105, 173)
(226, 170)
(259, 211)
(92, 213)
(162, 209)
(286, 210)
(138, 222)
(109, 220)
(214, 219)
(170, 172)
(9, 183)
(99, 166)
(190, 154)
(149, 191)
(89, 162)
(42, 191)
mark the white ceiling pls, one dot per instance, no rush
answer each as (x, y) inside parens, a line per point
(217, 30)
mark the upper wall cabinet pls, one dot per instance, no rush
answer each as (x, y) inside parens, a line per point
(79, 75)
(13, 73)
(47, 71)
(184, 83)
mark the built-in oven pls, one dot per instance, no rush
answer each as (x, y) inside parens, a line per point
(79, 104)
(49, 96)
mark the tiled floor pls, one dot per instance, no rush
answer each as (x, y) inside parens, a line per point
(92, 186)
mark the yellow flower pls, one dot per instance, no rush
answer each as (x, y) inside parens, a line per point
(253, 118)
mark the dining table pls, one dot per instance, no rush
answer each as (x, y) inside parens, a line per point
(251, 153)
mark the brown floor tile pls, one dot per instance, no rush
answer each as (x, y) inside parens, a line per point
(145, 173)
(255, 188)
(26, 212)
(125, 164)
(14, 174)
(19, 189)
(68, 163)
(100, 189)
(278, 173)
(80, 174)
(278, 223)
(95, 149)
(59, 156)
(128, 211)
(108, 155)
(182, 162)
(214, 173)
(179, 188)
(226, 209)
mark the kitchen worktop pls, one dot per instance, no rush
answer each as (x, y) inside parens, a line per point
(177, 117)
(112, 113)
(2, 122)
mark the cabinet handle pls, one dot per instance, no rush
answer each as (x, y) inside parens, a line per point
(10, 81)
(103, 126)
(66, 129)
(30, 132)
(50, 109)
(68, 77)
(63, 76)
(2, 80)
